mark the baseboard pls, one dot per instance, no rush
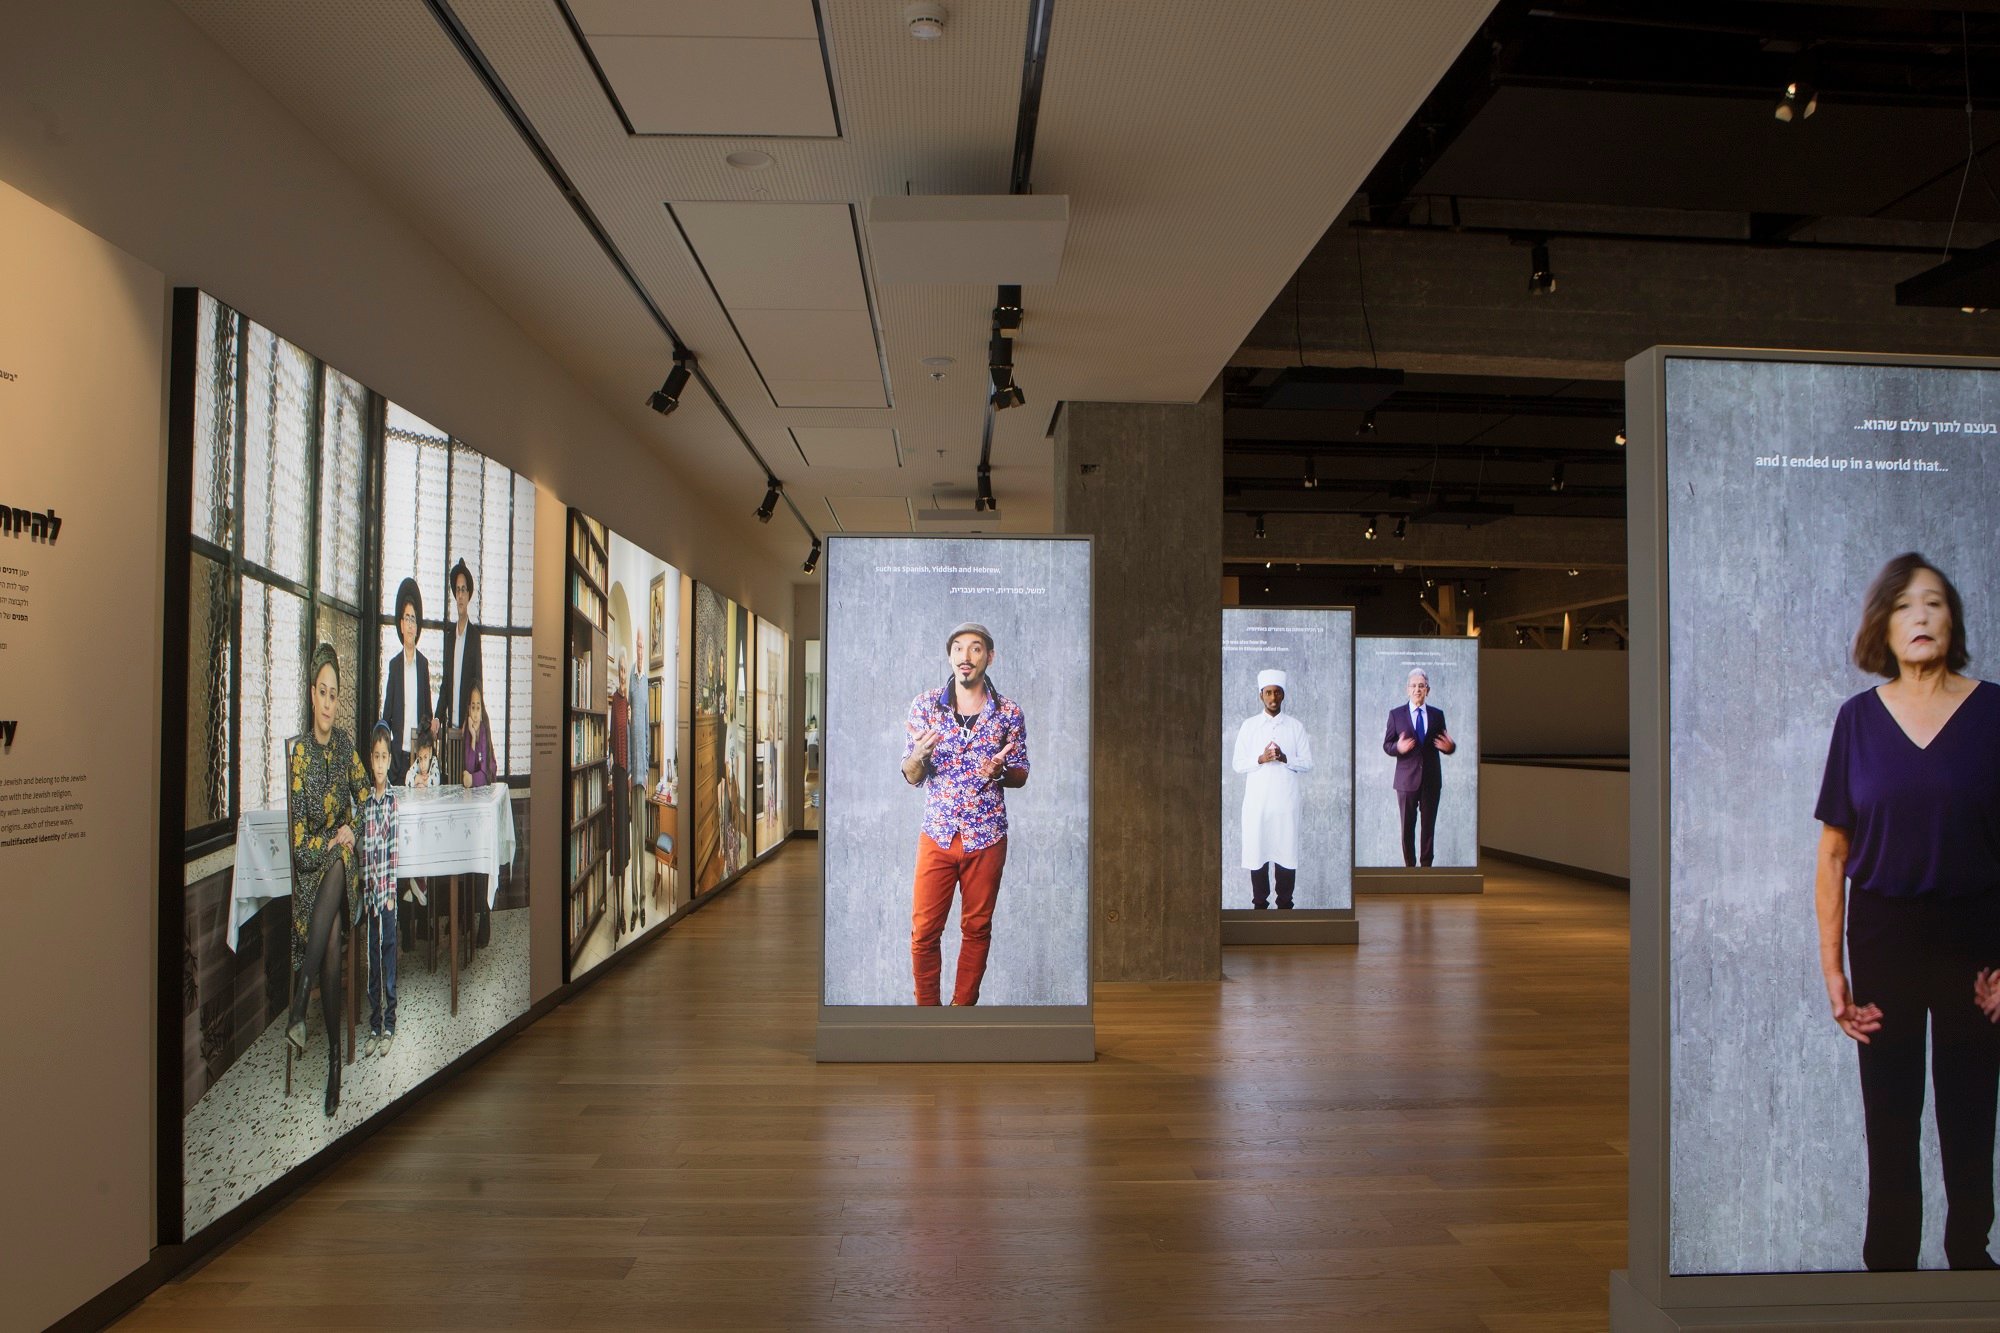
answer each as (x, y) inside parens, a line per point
(1419, 879)
(1274, 927)
(1575, 872)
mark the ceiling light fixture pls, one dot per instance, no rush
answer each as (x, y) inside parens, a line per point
(1311, 479)
(925, 21)
(1367, 426)
(668, 396)
(1619, 439)
(1000, 366)
(936, 366)
(1007, 314)
(770, 505)
(1402, 526)
(812, 557)
(1797, 101)
(1541, 274)
(1368, 533)
(986, 504)
(1259, 532)
(1556, 482)
(749, 159)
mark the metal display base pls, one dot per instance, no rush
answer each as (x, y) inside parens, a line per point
(1321, 926)
(1633, 1313)
(1420, 879)
(1012, 1035)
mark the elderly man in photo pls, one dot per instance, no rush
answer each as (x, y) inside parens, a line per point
(1272, 750)
(964, 743)
(1415, 737)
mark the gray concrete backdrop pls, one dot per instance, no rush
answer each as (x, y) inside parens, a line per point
(1316, 651)
(889, 609)
(1381, 671)
(1767, 568)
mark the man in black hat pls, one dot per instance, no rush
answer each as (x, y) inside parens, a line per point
(964, 743)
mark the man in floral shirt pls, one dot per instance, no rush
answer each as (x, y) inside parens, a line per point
(965, 742)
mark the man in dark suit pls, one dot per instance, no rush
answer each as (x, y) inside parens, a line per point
(462, 667)
(1415, 737)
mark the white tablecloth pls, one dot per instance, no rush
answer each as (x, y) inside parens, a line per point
(439, 831)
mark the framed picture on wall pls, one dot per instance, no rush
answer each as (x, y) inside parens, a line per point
(656, 622)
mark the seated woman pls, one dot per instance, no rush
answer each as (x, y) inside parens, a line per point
(480, 771)
(327, 786)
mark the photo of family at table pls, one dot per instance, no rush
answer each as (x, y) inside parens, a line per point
(360, 668)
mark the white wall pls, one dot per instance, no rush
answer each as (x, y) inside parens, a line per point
(1570, 816)
(82, 420)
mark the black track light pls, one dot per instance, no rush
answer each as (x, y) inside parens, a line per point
(1797, 100)
(1311, 479)
(1619, 439)
(1556, 482)
(1007, 314)
(1541, 274)
(1402, 526)
(1367, 426)
(986, 503)
(1258, 533)
(770, 505)
(812, 557)
(668, 396)
(1008, 395)
(1000, 366)
(1368, 533)
(1464, 590)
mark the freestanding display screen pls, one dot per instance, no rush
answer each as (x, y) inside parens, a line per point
(1287, 742)
(1833, 779)
(722, 836)
(622, 862)
(360, 603)
(957, 771)
(1416, 752)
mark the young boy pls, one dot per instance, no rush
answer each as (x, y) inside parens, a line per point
(378, 892)
(423, 763)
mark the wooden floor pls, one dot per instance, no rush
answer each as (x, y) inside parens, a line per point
(1427, 1132)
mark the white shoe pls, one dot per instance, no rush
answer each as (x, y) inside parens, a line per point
(368, 1043)
(388, 1040)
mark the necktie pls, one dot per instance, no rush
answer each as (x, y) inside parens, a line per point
(1419, 714)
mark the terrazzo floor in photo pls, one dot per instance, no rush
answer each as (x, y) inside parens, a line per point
(245, 1132)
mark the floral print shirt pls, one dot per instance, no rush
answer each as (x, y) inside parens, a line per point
(956, 799)
(327, 788)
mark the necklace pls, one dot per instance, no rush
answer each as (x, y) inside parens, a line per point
(966, 725)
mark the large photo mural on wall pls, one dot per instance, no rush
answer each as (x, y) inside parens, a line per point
(360, 597)
(721, 802)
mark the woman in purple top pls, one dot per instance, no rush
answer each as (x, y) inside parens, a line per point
(1909, 861)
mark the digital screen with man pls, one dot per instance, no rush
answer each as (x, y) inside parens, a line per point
(1287, 791)
(956, 672)
(1428, 763)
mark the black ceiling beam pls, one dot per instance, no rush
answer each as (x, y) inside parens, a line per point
(1458, 97)
(1653, 238)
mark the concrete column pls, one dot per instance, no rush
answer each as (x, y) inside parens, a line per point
(1146, 481)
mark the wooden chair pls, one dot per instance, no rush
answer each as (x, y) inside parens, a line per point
(451, 758)
(351, 956)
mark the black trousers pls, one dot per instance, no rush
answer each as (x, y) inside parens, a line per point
(1260, 886)
(1916, 958)
(1413, 804)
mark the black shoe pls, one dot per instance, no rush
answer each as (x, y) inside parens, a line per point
(1979, 1262)
(333, 1078)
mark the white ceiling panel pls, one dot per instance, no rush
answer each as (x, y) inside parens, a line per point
(883, 513)
(777, 256)
(811, 344)
(697, 18)
(828, 393)
(719, 85)
(847, 447)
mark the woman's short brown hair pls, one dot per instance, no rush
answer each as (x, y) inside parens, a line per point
(1871, 642)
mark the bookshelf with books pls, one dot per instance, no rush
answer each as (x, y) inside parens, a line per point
(587, 810)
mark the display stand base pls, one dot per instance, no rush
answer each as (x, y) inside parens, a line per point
(941, 1036)
(1421, 879)
(1631, 1312)
(1324, 926)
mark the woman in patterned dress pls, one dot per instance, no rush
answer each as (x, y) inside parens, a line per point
(327, 786)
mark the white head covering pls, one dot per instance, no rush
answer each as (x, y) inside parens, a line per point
(1266, 679)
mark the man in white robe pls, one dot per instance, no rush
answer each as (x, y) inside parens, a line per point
(1272, 750)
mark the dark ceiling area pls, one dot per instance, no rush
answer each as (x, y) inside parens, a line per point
(1650, 127)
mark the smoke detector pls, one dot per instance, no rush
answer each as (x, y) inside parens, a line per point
(926, 21)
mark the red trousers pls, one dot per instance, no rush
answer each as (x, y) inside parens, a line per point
(977, 877)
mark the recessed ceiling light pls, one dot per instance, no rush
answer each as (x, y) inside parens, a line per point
(749, 159)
